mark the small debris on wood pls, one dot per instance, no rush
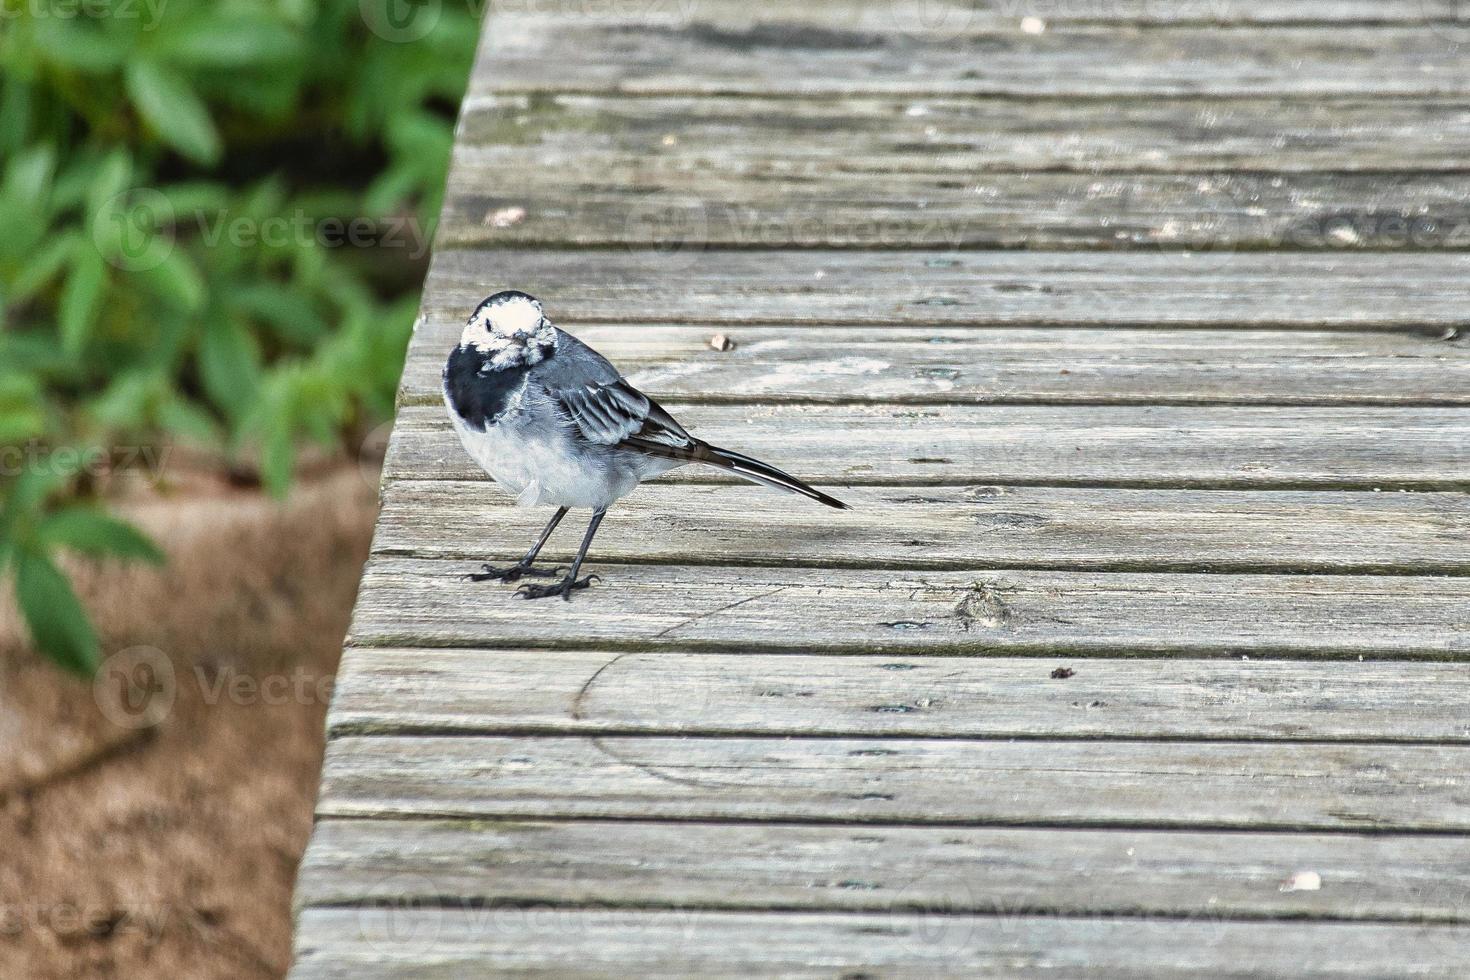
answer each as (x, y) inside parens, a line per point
(1303, 881)
(505, 217)
(1033, 25)
(721, 342)
(1062, 673)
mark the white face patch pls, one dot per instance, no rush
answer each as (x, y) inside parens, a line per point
(512, 330)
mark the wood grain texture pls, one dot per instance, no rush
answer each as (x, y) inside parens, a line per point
(921, 781)
(683, 207)
(417, 602)
(955, 17)
(1012, 365)
(666, 142)
(954, 871)
(450, 944)
(677, 202)
(1417, 291)
(770, 54)
(417, 691)
(1353, 448)
(956, 528)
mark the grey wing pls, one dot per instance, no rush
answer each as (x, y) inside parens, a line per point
(605, 408)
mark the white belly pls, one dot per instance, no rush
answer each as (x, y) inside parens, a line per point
(545, 470)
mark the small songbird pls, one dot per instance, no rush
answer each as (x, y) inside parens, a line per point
(553, 422)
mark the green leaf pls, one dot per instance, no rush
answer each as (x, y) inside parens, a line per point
(110, 180)
(173, 110)
(288, 310)
(92, 532)
(176, 280)
(182, 418)
(42, 267)
(20, 407)
(16, 105)
(277, 458)
(229, 42)
(28, 492)
(58, 623)
(76, 44)
(82, 296)
(28, 178)
(228, 364)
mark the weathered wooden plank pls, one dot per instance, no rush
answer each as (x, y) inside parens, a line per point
(1121, 445)
(1288, 786)
(689, 204)
(1013, 288)
(987, 871)
(963, 16)
(931, 365)
(394, 691)
(958, 528)
(767, 53)
(418, 602)
(418, 943)
(665, 140)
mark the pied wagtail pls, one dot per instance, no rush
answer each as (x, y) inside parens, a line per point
(553, 422)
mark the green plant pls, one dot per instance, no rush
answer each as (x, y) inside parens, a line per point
(215, 217)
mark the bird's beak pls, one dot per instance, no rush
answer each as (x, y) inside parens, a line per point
(520, 337)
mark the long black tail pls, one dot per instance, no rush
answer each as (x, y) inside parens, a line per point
(742, 466)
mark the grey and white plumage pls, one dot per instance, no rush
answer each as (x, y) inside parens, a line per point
(553, 422)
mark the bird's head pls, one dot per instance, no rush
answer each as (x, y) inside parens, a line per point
(511, 327)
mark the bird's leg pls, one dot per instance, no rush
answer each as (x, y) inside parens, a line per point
(523, 567)
(565, 586)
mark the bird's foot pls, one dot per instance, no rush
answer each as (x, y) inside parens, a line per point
(513, 573)
(564, 588)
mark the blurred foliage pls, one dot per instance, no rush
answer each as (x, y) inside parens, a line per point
(215, 219)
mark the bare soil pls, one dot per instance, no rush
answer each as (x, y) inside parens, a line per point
(153, 820)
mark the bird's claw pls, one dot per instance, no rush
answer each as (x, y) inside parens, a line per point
(564, 588)
(513, 573)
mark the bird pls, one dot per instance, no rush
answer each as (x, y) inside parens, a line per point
(553, 422)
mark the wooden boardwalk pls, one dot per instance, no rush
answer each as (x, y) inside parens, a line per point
(1134, 333)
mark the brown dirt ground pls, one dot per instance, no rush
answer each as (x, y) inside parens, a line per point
(170, 850)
